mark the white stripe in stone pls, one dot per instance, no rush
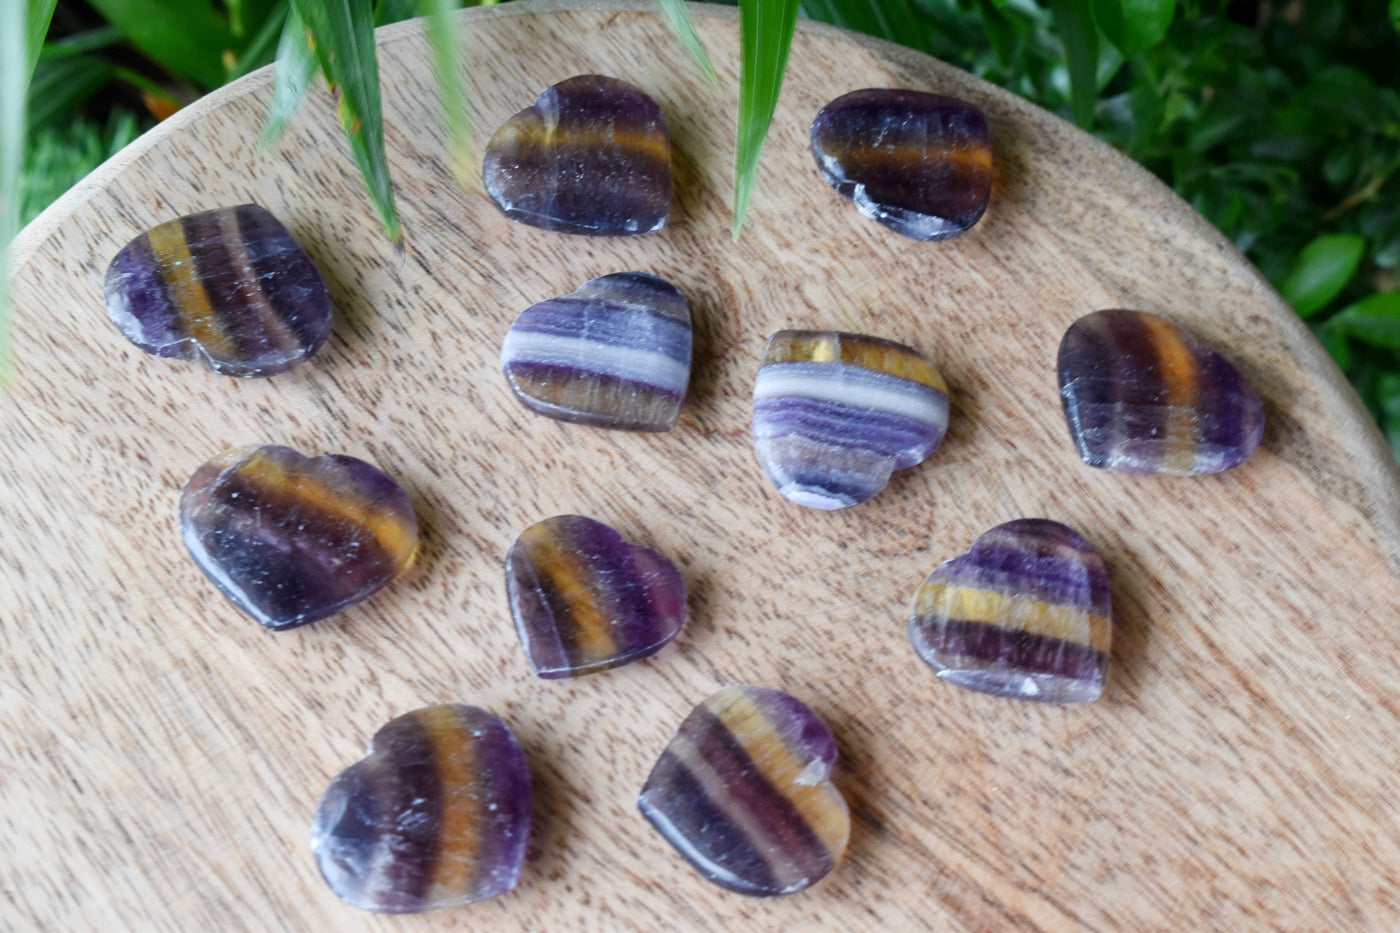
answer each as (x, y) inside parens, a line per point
(638, 365)
(921, 404)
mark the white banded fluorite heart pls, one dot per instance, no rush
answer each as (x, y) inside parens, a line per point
(835, 414)
(614, 354)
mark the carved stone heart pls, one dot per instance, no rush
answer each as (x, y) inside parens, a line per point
(436, 815)
(743, 791)
(591, 156)
(585, 600)
(1142, 395)
(1025, 613)
(614, 354)
(292, 539)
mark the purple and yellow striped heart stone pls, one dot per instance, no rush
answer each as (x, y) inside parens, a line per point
(591, 156)
(835, 414)
(436, 815)
(1143, 395)
(292, 539)
(614, 354)
(919, 163)
(586, 600)
(1025, 613)
(230, 287)
(744, 792)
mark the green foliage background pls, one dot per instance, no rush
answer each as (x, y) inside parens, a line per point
(1279, 121)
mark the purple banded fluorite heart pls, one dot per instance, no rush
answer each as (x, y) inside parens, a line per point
(1142, 395)
(919, 163)
(835, 414)
(436, 815)
(1025, 613)
(291, 539)
(744, 792)
(614, 354)
(230, 287)
(586, 600)
(591, 156)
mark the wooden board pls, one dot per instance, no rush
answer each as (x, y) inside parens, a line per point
(163, 754)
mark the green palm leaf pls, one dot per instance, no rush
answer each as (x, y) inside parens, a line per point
(296, 66)
(766, 28)
(678, 13)
(342, 32)
(447, 63)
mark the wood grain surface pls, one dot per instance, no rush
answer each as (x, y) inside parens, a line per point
(162, 754)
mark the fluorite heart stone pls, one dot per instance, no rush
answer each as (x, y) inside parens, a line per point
(591, 156)
(834, 414)
(921, 164)
(585, 600)
(614, 354)
(1025, 614)
(436, 815)
(1143, 395)
(744, 792)
(230, 287)
(292, 539)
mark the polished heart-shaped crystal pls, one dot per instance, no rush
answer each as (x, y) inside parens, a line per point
(835, 414)
(1143, 395)
(1025, 613)
(744, 792)
(436, 815)
(614, 354)
(919, 163)
(291, 539)
(230, 287)
(585, 600)
(591, 156)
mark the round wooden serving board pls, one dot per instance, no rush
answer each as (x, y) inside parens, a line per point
(163, 754)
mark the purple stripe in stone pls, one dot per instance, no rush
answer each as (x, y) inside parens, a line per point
(639, 290)
(783, 827)
(139, 302)
(796, 724)
(505, 799)
(906, 441)
(1011, 649)
(607, 325)
(290, 280)
(377, 823)
(676, 804)
(414, 798)
(1230, 422)
(1038, 559)
(346, 830)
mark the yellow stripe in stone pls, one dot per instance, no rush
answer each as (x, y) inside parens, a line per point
(1179, 377)
(649, 142)
(176, 265)
(394, 536)
(971, 159)
(821, 805)
(460, 815)
(867, 352)
(568, 576)
(1019, 613)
